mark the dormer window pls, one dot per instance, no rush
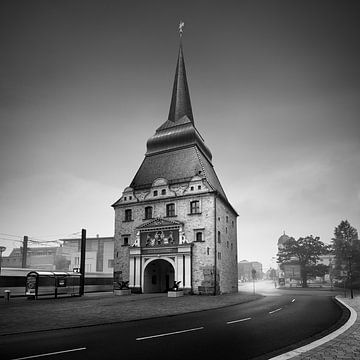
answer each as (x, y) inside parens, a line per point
(192, 188)
(199, 187)
(155, 193)
(163, 192)
(130, 197)
(125, 198)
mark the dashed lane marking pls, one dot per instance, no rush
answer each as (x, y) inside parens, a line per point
(274, 311)
(236, 321)
(170, 333)
(293, 300)
(49, 354)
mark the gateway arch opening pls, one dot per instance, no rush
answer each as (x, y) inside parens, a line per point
(159, 276)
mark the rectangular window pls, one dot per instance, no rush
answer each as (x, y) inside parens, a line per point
(170, 210)
(195, 207)
(148, 212)
(155, 193)
(126, 241)
(219, 255)
(163, 192)
(111, 263)
(199, 236)
(219, 237)
(128, 215)
(208, 251)
(227, 219)
(77, 260)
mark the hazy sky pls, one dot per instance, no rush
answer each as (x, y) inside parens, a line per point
(275, 90)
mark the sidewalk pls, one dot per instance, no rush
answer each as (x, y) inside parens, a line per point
(344, 346)
(22, 315)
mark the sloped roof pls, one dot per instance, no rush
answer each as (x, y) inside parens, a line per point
(177, 165)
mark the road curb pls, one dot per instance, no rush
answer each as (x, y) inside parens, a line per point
(325, 339)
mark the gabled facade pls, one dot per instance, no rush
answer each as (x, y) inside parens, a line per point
(174, 222)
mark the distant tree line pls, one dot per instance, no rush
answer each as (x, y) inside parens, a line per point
(307, 251)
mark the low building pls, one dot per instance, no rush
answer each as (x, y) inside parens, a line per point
(99, 254)
(245, 270)
(37, 257)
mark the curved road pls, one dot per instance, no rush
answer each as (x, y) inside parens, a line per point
(258, 329)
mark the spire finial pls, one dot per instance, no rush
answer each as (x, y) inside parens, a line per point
(181, 28)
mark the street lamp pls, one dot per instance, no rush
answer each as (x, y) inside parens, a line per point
(2, 249)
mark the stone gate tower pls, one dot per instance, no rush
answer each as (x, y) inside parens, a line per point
(174, 222)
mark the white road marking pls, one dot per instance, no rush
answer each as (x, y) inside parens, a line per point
(170, 333)
(49, 354)
(236, 321)
(271, 312)
(293, 300)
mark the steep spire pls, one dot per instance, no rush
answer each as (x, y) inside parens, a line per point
(180, 100)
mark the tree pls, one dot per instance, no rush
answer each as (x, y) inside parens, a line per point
(346, 248)
(305, 251)
(318, 270)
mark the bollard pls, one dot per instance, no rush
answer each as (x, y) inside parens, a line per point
(7, 295)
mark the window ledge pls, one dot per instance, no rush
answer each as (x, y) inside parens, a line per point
(128, 220)
(170, 216)
(197, 213)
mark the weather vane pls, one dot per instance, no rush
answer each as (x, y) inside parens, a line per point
(181, 27)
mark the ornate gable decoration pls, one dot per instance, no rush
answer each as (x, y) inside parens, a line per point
(159, 222)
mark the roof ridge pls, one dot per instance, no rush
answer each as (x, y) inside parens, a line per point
(203, 168)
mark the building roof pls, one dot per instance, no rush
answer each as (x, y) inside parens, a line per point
(177, 151)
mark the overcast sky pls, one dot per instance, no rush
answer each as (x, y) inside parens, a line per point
(275, 91)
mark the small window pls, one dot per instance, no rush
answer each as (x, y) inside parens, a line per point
(219, 218)
(155, 193)
(199, 236)
(232, 223)
(148, 212)
(208, 251)
(128, 215)
(117, 254)
(219, 237)
(226, 230)
(126, 241)
(227, 244)
(219, 255)
(227, 219)
(199, 187)
(170, 210)
(195, 207)
(163, 192)
(130, 197)
(192, 188)
(231, 246)
(125, 198)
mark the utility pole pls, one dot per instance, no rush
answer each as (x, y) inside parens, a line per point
(82, 261)
(24, 252)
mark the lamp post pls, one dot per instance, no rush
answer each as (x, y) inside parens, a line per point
(350, 277)
(2, 249)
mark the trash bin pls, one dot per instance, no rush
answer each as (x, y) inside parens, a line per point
(7, 295)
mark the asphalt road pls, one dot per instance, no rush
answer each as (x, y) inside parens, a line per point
(259, 329)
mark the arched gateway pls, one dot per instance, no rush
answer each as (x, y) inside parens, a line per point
(159, 276)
